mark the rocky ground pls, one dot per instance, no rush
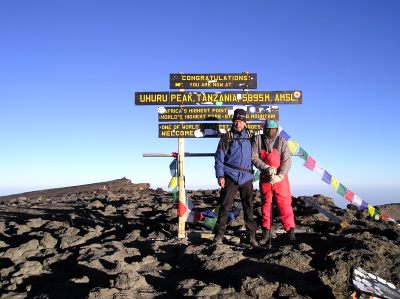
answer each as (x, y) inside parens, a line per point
(118, 240)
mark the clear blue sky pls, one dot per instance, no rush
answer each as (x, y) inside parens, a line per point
(69, 69)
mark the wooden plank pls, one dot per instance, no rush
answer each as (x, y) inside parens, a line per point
(181, 186)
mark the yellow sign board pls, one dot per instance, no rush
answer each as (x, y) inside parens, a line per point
(214, 113)
(219, 98)
(198, 130)
(213, 81)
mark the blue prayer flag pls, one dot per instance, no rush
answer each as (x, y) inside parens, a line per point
(364, 205)
(284, 135)
(326, 177)
(172, 167)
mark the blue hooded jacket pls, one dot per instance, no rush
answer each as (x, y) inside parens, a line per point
(232, 155)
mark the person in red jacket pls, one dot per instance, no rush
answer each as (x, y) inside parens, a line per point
(271, 155)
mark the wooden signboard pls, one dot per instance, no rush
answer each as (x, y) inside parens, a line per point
(199, 130)
(214, 113)
(219, 98)
(213, 81)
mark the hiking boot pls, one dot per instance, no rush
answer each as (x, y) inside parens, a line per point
(292, 238)
(265, 236)
(252, 238)
(217, 240)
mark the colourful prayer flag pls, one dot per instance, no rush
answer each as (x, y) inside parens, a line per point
(384, 216)
(216, 210)
(209, 223)
(371, 210)
(326, 177)
(189, 203)
(302, 153)
(318, 169)
(172, 167)
(341, 189)
(175, 194)
(334, 183)
(284, 135)
(363, 206)
(194, 216)
(310, 163)
(209, 213)
(292, 145)
(181, 209)
(356, 200)
(173, 182)
(349, 195)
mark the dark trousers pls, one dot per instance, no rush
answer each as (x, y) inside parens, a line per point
(227, 198)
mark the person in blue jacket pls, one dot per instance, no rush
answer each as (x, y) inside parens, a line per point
(234, 172)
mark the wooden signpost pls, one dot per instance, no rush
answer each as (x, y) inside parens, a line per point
(197, 114)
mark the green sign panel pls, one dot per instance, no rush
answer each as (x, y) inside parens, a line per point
(218, 98)
(213, 81)
(196, 130)
(214, 113)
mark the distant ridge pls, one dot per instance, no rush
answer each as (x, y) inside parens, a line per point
(113, 185)
(393, 209)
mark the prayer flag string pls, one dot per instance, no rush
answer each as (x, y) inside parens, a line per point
(313, 165)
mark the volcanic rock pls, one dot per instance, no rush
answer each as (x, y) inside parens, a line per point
(118, 239)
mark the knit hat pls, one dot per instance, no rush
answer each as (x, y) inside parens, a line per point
(239, 114)
(271, 124)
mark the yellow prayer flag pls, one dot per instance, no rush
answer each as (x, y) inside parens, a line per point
(334, 183)
(216, 210)
(173, 182)
(371, 210)
(292, 145)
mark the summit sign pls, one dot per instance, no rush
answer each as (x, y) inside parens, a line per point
(213, 81)
(187, 112)
(219, 98)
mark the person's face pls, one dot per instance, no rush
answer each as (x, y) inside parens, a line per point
(239, 125)
(271, 133)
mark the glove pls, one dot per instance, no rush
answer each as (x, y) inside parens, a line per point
(269, 170)
(272, 170)
(276, 178)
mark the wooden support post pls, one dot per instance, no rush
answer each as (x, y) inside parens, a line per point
(181, 186)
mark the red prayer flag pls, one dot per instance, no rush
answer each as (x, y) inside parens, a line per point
(181, 209)
(385, 216)
(349, 195)
(310, 163)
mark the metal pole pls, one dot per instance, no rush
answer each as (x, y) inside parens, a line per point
(158, 155)
(155, 155)
(181, 186)
(199, 154)
(151, 155)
